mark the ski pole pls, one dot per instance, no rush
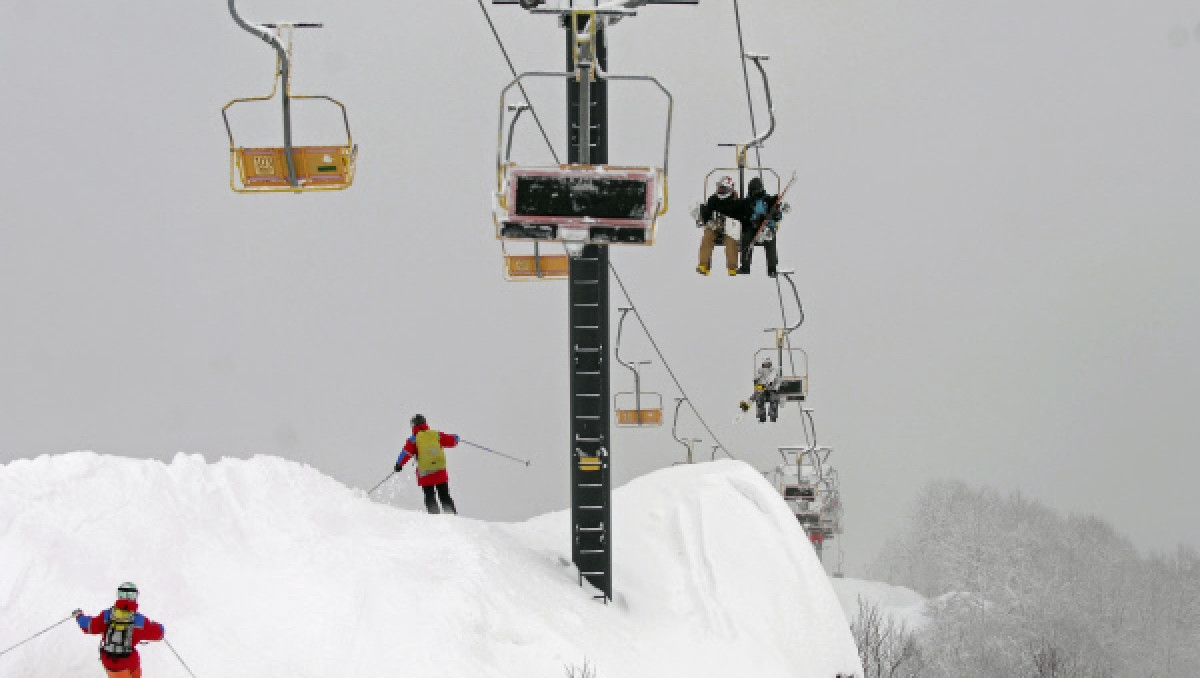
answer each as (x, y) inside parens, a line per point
(488, 449)
(185, 666)
(72, 616)
(382, 482)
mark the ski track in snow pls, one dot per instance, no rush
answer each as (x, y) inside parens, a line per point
(267, 568)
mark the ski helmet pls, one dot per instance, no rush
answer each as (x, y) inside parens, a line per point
(417, 420)
(127, 591)
(755, 186)
(725, 186)
(767, 361)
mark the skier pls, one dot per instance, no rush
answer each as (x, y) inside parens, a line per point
(765, 217)
(426, 445)
(766, 385)
(717, 226)
(123, 628)
(758, 214)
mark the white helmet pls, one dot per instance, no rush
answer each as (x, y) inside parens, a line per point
(725, 186)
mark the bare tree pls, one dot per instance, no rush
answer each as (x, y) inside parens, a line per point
(887, 648)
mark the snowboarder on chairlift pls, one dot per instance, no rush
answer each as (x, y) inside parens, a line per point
(758, 213)
(123, 627)
(426, 445)
(718, 226)
(765, 396)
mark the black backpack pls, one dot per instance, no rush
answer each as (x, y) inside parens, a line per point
(118, 638)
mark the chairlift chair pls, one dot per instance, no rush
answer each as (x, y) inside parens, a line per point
(636, 407)
(292, 168)
(790, 383)
(578, 204)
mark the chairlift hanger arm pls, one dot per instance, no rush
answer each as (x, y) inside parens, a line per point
(266, 36)
(675, 422)
(757, 142)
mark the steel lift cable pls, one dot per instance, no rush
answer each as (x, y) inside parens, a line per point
(737, 15)
(513, 69)
(665, 364)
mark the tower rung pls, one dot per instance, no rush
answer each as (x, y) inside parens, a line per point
(591, 508)
(594, 574)
(591, 551)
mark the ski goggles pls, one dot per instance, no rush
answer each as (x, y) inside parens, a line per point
(127, 593)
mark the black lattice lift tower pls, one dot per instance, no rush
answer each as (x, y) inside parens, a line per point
(586, 210)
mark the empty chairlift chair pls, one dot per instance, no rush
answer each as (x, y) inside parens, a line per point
(291, 168)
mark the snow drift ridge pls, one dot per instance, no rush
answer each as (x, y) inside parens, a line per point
(265, 568)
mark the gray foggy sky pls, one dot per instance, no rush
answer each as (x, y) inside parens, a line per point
(993, 229)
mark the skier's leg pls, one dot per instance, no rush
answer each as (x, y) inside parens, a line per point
(706, 251)
(431, 504)
(747, 251)
(443, 491)
(731, 254)
(772, 256)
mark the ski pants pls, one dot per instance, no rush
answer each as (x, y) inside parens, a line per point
(127, 673)
(772, 256)
(709, 241)
(443, 495)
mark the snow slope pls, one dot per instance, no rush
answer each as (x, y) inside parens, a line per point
(902, 604)
(267, 568)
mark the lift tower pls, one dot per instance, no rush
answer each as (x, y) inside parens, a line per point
(587, 205)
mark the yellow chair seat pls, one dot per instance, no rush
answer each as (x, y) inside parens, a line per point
(527, 266)
(317, 167)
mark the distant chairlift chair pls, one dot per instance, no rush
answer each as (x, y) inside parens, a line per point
(636, 407)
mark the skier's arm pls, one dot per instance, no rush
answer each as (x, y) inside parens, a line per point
(409, 451)
(152, 630)
(91, 625)
(447, 439)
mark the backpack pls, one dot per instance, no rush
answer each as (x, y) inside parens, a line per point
(118, 638)
(430, 457)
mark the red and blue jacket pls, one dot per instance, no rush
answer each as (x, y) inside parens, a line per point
(410, 452)
(143, 630)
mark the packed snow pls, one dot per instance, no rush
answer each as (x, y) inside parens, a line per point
(268, 568)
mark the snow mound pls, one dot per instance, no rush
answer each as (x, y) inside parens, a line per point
(267, 568)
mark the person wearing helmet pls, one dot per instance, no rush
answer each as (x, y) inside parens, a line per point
(122, 627)
(765, 396)
(716, 226)
(426, 446)
(764, 221)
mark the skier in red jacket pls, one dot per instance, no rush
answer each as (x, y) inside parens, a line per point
(123, 627)
(426, 445)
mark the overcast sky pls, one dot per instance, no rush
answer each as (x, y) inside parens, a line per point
(994, 231)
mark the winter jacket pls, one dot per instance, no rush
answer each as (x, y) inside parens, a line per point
(711, 216)
(746, 210)
(143, 630)
(433, 473)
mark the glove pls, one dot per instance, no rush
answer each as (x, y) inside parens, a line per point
(785, 207)
(399, 466)
(744, 405)
(76, 612)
